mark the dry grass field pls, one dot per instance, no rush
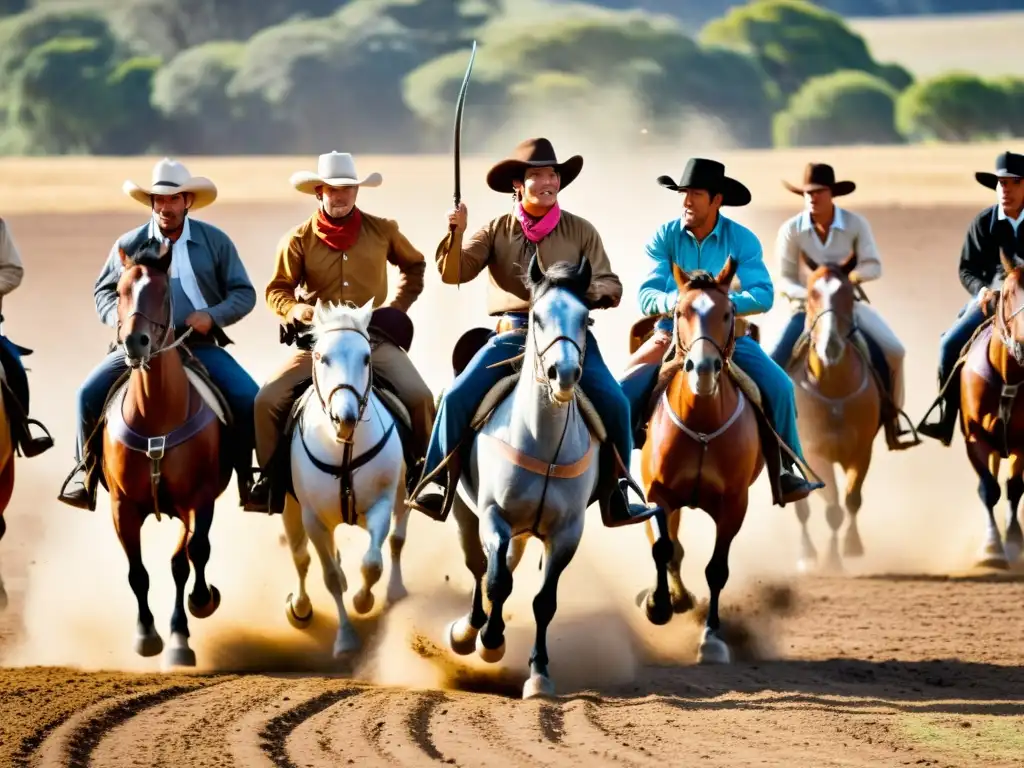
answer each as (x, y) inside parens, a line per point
(985, 43)
(905, 660)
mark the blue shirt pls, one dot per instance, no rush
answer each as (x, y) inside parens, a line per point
(673, 244)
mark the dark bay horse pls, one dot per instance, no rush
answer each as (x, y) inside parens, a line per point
(703, 447)
(162, 450)
(992, 419)
(839, 405)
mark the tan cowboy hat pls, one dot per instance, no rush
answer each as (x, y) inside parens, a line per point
(532, 153)
(821, 176)
(334, 169)
(170, 178)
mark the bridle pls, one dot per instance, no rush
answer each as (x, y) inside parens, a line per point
(725, 352)
(362, 398)
(538, 371)
(1014, 347)
(166, 330)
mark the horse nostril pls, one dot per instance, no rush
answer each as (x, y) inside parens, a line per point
(688, 366)
(144, 339)
(552, 373)
(718, 365)
(576, 374)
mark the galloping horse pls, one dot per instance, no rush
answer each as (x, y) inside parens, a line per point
(704, 447)
(347, 434)
(162, 448)
(993, 422)
(531, 470)
(838, 405)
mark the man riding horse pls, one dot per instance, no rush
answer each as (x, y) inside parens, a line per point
(15, 386)
(996, 228)
(340, 254)
(533, 176)
(210, 291)
(702, 239)
(828, 234)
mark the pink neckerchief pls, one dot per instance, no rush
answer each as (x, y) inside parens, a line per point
(537, 229)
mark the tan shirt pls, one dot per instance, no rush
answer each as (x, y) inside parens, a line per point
(501, 247)
(849, 233)
(304, 262)
(11, 270)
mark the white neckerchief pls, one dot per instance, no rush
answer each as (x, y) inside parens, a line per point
(181, 264)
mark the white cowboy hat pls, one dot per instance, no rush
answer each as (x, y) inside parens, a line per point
(169, 178)
(334, 169)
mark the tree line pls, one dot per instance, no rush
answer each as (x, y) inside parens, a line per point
(125, 77)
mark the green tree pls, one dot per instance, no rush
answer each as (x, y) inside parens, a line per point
(1012, 89)
(444, 25)
(957, 106)
(846, 107)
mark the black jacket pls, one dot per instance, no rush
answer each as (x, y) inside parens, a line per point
(980, 266)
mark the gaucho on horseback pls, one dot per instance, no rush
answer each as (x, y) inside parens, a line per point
(504, 246)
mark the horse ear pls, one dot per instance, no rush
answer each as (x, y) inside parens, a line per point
(536, 274)
(584, 272)
(807, 261)
(165, 256)
(1008, 264)
(125, 260)
(366, 313)
(319, 311)
(681, 277)
(728, 272)
(849, 264)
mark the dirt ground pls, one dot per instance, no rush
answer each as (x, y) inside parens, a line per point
(907, 659)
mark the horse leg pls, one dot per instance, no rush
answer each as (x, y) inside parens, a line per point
(6, 491)
(986, 465)
(128, 525)
(713, 649)
(298, 609)
(378, 521)
(681, 599)
(3, 592)
(204, 599)
(834, 512)
(1014, 541)
(808, 554)
(516, 548)
(347, 641)
(490, 644)
(856, 474)
(560, 548)
(178, 652)
(399, 526)
(462, 633)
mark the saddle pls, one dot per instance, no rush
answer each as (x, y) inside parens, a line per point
(16, 396)
(200, 379)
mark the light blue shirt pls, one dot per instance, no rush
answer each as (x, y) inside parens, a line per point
(674, 244)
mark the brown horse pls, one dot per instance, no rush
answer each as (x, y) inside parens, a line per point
(703, 447)
(838, 405)
(161, 449)
(6, 482)
(992, 421)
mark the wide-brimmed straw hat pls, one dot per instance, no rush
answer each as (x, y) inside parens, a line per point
(532, 153)
(170, 178)
(820, 176)
(333, 169)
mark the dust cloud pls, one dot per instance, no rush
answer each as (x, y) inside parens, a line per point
(68, 575)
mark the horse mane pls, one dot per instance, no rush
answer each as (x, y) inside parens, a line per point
(340, 316)
(702, 280)
(148, 255)
(561, 274)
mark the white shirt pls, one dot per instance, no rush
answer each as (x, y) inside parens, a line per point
(849, 233)
(181, 264)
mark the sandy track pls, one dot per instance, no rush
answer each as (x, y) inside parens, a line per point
(914, 668)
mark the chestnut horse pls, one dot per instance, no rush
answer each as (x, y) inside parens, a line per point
(992, 421)
(703, 447)
(6, 482)
(838, 404)
(161, 449)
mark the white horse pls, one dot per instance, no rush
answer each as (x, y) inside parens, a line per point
(532, 472)
(347, 466)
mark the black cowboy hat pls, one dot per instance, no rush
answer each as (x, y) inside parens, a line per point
(709, 175)
(820, 176)
(532, 153)
(1008, 165)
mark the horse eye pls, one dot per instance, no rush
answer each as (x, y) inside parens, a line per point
(537, 321)
(366, 359)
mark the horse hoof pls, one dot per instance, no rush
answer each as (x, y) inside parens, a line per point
(363, 601)
(397, 594)
(993, 562)
(461, 637)
(682, 602)
(713, 649)
(853, 546)
(205, 611)
(490, 655)
(347, 643)
(659, 610)
(149, 645)
(182, 656)
(1012, 549)
(538, 686)
(299, 622)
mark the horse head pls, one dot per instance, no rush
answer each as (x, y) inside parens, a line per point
(830, 301)
(559, 319)
(705, 325)
(1011, 306)
(144, 312)
(341, 363)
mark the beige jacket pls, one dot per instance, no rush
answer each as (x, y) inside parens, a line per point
(11, 270)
